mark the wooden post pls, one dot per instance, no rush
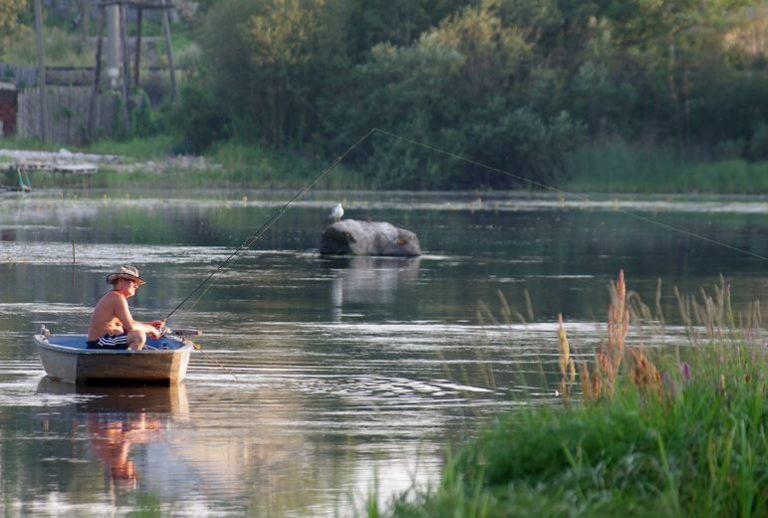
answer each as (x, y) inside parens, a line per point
(92, 109)
(84, 12)
(126, 72)
(139, 15)
(41, 69)
(167, 33)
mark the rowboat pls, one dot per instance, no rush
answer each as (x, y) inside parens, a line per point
(66, 358)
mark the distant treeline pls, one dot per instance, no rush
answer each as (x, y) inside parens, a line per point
(517, 85)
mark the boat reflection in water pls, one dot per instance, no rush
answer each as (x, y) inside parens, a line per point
(118, 419)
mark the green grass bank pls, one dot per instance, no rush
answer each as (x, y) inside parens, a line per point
(606, 166)
(150, 163)
(621, 167)
(678, 433)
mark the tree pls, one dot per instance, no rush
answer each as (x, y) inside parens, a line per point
(9, 13)
(271, 60)
(397, 22)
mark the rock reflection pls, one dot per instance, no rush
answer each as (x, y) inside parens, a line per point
(364, 279)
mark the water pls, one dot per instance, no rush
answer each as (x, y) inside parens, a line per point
(321, 378)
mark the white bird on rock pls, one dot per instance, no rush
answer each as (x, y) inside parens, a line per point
(337, 213)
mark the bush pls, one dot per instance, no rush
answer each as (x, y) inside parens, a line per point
(199, 119)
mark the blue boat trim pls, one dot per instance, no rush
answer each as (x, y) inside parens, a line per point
(76, 344)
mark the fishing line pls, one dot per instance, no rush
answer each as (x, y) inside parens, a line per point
(276, 215)
(255, 236)
(572, 195)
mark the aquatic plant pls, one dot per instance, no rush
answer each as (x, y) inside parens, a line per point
(653, 434)
(567, 364)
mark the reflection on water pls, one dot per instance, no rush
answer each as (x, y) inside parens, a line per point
(120, 420)
(348, 372)
(371, 280)
(112, 437)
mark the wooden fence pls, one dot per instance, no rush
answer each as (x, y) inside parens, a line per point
(19, 75)
(68, 111)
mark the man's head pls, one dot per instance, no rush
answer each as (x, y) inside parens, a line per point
(125, 273)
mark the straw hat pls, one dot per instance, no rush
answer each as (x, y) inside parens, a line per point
(125, 272)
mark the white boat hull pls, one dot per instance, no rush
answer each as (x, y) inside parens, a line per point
(63, 358)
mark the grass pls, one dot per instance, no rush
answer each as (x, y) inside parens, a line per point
(230, 164)
(614, 165)
(141, 149)
(267, 168)
(607, 166)
(679, 434)
(62, 48)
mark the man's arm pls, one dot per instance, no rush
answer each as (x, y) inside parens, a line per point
(123, 313)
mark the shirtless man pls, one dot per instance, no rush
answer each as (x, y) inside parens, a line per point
(112, 326)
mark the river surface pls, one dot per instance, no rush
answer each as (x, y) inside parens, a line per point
(322, 380)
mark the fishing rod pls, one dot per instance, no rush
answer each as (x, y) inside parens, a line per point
(276, 215)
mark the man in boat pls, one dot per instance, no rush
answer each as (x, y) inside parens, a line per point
(112, 326)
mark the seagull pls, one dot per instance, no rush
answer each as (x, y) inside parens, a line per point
(337, 213)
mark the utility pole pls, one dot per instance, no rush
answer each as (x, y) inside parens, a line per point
(93, 108)
(41, 69)
(126, 71)
(136, 65)
(113, 44)
(167, 33)
(84, 13)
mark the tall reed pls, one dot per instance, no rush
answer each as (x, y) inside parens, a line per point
(654, 435)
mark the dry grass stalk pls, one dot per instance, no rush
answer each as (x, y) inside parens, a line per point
(601, 382)
(611, 352)
(618, 323)
(645, 375)
(567, 365)
(713, 313)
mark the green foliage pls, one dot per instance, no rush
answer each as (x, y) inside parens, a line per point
(451, 91)
(199, 120)
(10, 13)
(148, 148)
(614, 165)
(515, 86)
(682, 435)
(472, 89)
(758, 144)
(700, 451)
(62, 48)
(144, 121)
(393, 22)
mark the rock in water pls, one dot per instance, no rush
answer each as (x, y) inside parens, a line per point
(355, 237)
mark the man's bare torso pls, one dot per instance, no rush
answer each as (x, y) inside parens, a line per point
(105, 318)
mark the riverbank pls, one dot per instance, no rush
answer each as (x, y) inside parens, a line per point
(675, 433)
(609, 167)
(151, 163)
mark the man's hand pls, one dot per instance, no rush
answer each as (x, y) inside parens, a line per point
(157, 324)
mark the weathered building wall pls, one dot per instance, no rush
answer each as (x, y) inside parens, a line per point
(68, 112)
